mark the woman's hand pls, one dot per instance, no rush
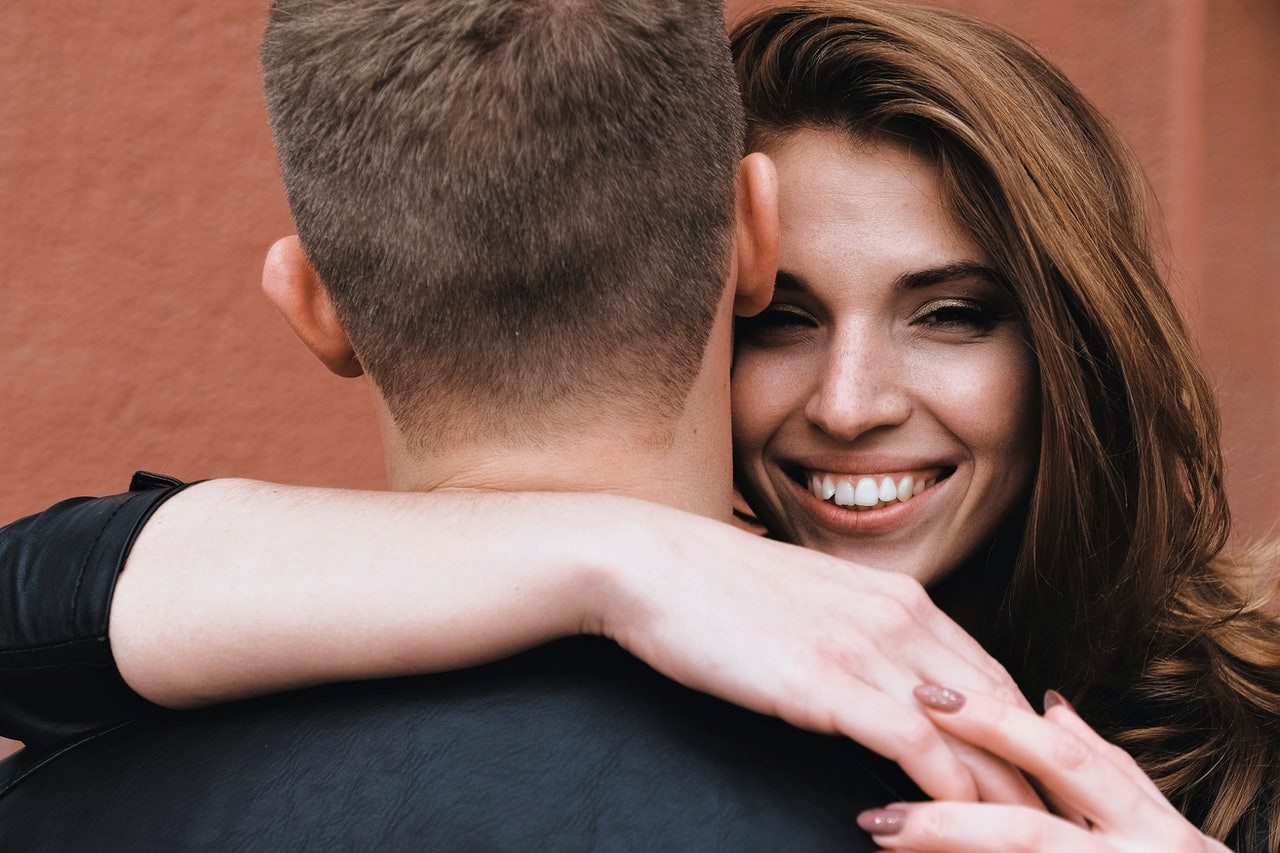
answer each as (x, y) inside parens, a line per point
(1122, 808)
(822, 643)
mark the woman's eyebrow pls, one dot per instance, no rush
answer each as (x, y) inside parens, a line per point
(944, 274)
(795, 283)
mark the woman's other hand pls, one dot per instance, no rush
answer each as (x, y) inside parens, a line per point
(1074, 766)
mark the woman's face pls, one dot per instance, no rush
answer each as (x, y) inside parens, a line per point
(885, 403)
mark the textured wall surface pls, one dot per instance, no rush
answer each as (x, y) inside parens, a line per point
(138, 196)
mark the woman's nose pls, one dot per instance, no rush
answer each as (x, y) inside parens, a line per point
(862, 387)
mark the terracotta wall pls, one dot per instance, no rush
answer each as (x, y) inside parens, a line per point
(138, 195)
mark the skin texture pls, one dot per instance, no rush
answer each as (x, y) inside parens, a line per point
(854, 371)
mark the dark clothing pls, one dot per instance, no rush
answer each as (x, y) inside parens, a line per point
(58, 571)
(574, 746)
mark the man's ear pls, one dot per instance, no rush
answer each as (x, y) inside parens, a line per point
(293, 287)
(755, 235)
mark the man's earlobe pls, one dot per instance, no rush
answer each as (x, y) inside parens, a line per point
(294, 288)
(755, 235)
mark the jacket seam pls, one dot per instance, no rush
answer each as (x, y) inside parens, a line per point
(9, 785)
(75, 596)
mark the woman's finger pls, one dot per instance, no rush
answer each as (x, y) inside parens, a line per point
(997, 780)
(942, 633)
(974, 828)
(1073, 765)
(1060, 711)
(886, 727)
(876, 678)
(1056, 805)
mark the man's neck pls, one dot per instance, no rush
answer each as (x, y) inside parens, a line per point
(686, 464)
(607, 463)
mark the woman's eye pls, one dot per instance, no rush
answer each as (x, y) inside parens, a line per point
(777, 320)
(960, 315)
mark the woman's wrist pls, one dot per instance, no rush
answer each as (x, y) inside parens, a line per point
(638, 555)
(612, 552)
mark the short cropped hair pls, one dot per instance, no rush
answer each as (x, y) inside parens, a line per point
(516, 204)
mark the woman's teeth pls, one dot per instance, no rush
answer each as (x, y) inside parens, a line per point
(862, 493)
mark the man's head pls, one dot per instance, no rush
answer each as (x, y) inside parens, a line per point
(520, 207)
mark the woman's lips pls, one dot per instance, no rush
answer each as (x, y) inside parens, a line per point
(868, 504)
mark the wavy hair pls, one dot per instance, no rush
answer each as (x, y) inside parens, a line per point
(1138, 614)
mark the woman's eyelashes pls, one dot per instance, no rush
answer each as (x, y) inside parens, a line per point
(961, 315)
(785, 321)
(778, 321)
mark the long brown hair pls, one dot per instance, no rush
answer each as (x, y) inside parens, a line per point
(1120, 595)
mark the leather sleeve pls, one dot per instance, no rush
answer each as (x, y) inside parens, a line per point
(58, 570)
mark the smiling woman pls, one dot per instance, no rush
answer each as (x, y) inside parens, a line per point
(884, 404)
(970, 293)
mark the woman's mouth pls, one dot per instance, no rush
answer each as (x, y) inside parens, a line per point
(862, 503)
(864, 492)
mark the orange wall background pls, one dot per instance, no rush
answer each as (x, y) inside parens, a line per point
(139, 194)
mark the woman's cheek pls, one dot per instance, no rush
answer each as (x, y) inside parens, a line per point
(767, 389)
(987, 396)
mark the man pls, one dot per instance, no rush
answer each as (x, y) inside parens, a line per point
(527, 222)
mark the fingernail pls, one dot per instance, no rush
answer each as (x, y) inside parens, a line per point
(882, 821)
(939, 698)
(1053, 698)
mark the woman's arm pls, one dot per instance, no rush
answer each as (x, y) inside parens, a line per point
(1121, 807)
(236, 588)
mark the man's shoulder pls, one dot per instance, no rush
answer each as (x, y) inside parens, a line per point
(573, 746)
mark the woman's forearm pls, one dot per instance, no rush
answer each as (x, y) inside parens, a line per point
(236, 588)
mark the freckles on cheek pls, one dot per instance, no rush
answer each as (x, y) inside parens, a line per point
(1002, 399)
(987, 402)
(764, 394)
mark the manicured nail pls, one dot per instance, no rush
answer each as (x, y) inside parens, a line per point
(1053, 698)
(939, 698)
(882, 821)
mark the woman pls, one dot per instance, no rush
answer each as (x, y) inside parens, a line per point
(1137, 614)
(971, 343)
